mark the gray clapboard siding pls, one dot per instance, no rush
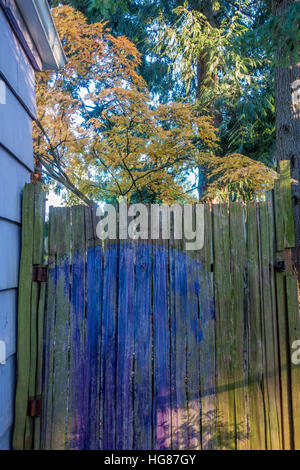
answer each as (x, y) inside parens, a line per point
(9, 256)
(15, 66)
(16, 129)
(8, 313)
(13, 176)
(7, 377)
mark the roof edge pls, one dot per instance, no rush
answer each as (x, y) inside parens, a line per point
(39, 21)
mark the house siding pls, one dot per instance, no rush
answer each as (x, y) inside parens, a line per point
(16, 162)
(15, 66)
(10, 194)
(16, 129)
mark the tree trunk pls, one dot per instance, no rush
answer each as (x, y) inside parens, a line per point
(205, 7)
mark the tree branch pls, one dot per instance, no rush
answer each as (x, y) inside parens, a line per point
(110, 172)
(154, 170)
(241, 10)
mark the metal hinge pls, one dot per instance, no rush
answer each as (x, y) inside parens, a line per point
(35, 407)
(39, 273)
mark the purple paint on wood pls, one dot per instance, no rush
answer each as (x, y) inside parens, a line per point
(143, 348)
(60, 377)
(178, 352)
(77, 419)
(207, 361)
(172, 295)
(93, 346)
(162, 405)
(124, 390)
(109, 357)
(193, 356)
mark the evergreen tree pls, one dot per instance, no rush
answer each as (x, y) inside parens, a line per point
(80, 5)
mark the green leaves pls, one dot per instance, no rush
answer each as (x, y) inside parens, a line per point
(212, 56)
(278, 33)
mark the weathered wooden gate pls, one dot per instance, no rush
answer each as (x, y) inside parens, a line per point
(143, 345)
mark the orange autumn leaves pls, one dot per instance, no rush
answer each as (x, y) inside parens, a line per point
(237, 177)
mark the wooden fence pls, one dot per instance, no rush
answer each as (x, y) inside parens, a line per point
(143, 345)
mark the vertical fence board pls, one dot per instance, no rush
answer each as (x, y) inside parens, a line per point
(62, 311)
(192, 326)
(172, 321)
(94, 283)
(239, 314)
(39, 225)
(271, 360)
(255, 351)
(49, 334)
(77, 396)
(143, 348)
(38, 259)
(162, 402)
(224, 328)
(285, 232)
(294, 335)
(178, 313)
(39, 371)
(93, 345)
(29, 432)
(125, 347)
(109, 357)
(207, 338)
(193, 358)
(284, 353)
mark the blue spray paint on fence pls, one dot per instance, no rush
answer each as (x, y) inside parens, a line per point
(133, 350)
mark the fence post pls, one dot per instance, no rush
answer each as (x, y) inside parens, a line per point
(287, 307)
(30, 319)
(285, 233)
